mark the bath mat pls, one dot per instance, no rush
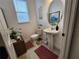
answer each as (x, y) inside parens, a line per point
(44, 53)
(29, 45)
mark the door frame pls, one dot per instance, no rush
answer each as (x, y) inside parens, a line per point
(69, 17)
(6, 36)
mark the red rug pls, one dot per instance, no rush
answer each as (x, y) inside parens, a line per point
(44, 53)
(29, 45)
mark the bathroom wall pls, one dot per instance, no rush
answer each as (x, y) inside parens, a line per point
(44, 21)
(27, 28)
(44, 4)
(57, 5)
(63, 2)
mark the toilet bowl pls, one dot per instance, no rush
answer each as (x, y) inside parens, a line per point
(34, 36)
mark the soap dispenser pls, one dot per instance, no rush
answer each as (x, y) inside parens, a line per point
(57, 28)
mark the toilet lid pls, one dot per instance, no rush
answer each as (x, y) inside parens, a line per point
(34, 35)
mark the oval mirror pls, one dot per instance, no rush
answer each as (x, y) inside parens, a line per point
(55, 12)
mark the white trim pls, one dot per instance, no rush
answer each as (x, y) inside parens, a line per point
(70, 11)
(6, 37)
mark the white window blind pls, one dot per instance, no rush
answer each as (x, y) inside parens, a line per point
(21, 9)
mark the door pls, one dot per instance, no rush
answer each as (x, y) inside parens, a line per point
(70, 11)
(74, 50)
(5, 35)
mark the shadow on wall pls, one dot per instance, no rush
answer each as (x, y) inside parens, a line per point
(1, 41)
(3, 51)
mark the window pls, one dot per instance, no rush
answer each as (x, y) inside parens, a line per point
(21, 9)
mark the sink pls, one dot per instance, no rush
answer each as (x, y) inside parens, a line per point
(51, 31)
(49, 37)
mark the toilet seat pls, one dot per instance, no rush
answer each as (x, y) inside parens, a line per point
(35, 36)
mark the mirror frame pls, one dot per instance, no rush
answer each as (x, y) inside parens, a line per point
(57, 20)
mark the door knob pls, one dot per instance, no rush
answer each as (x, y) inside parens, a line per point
(63, 34)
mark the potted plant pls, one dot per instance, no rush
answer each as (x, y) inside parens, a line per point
(15, 34)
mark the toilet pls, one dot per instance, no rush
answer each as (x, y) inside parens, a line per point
(36, 35)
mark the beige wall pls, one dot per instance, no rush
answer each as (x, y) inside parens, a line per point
(27, 28)
(44, 4)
